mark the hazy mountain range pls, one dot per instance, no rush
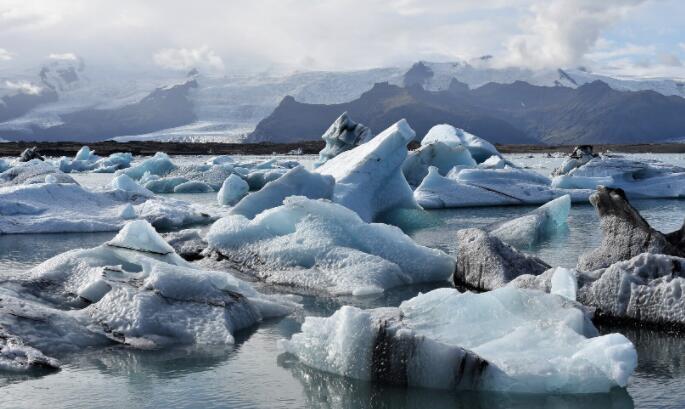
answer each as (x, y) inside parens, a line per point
(67, 100)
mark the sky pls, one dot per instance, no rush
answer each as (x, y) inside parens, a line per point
(644, 38)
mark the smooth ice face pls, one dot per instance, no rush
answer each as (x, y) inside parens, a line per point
(84, 154)
(369, 178)
(193, 186)
(321, 246)
(508, 340)
(639, 179)
(480, 148)
(443, 157)
(530, 228)
(489, 187)
(232, 190)
(129, 292)
(296, 182)
(159, 165)
(343, 135)
(564, 283)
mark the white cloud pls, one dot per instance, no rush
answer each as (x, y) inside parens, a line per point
(562, 32)
(23, 87)
(670, 60)
(188, 58)
(63, 56)
(5, 55)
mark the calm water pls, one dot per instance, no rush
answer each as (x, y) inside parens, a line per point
(251, 374)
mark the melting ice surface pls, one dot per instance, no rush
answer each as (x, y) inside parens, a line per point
(250, 374)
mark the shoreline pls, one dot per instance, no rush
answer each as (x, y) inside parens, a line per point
(309, 147)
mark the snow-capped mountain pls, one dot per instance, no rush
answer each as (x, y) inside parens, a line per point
(53, 101)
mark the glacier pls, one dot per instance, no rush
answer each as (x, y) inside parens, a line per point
(510, 340)
(322, 247)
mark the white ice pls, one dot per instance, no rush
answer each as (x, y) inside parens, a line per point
(444, 157)
(159, 165)
(533, 342)
(321, 246)
(480, 148)
(369, 178)
(232, 190)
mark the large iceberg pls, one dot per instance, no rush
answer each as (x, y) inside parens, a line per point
(527, 230)
(625, 233)
(322, 247)
(639, 179)
(484, 262)
(489, 187)
(479, 148)
(133, 290)
(505, 340)
(296, 182)
(343, 135)
(444, 157)
(368, 178)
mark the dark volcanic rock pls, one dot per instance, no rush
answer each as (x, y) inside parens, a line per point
(484, 262)
(626, 233)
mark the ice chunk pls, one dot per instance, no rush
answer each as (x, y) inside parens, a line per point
(296, 182)
(233, 189)
(128, 185)
(580, 155)
(85, 154)
(484, 262)
(526, 230)
(444, 157)
(221, 160)
(4, 165)
(193, 186)
(128, 212)
(213, 175)
(480, 148)
(15, 356)
(489, 187)
(162, 185)
(369, 178)
(159, 165)
(139, 235)
(30, 154)
(321, 246)
(344, 134)
(34, 171)
(638, 179)
(258, 178)
(508, 339)
(564, 283)
(625, 233)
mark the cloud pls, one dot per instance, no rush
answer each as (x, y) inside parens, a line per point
(670, 60)
(188, 58)
(5, 55)
(63, 56)
(22, 14)
(23, 87)
(562, 32)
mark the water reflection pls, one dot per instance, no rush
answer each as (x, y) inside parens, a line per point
(329, 391)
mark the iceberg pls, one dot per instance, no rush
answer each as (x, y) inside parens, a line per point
(638, 179)
(580, 155)
(232, 190)
(322, 247)
(296, 182)
(34, 171)
(134, 290)
(30, 154)
(86, 160)
(489, 187)
(17, 357)
(479, 148)
(130, 186)
(193, 186)
(68, 207)
(444, 157)
(529, 229)
(343, 135)
(484, 262)
(159, 165)
(368, 178)
(509, 340)
(625, 233)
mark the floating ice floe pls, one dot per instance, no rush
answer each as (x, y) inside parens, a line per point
(296, 182)
(368, 178)
(344, 134)
(323, 247)
(479, 148)
(68, 207)
(527, 230)
(232, 190)
(639, 179)
(485, 262)
(489, 187)
(505, 340)
(133, 290)
(625, 233)
(34, 171)
(86, 160)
